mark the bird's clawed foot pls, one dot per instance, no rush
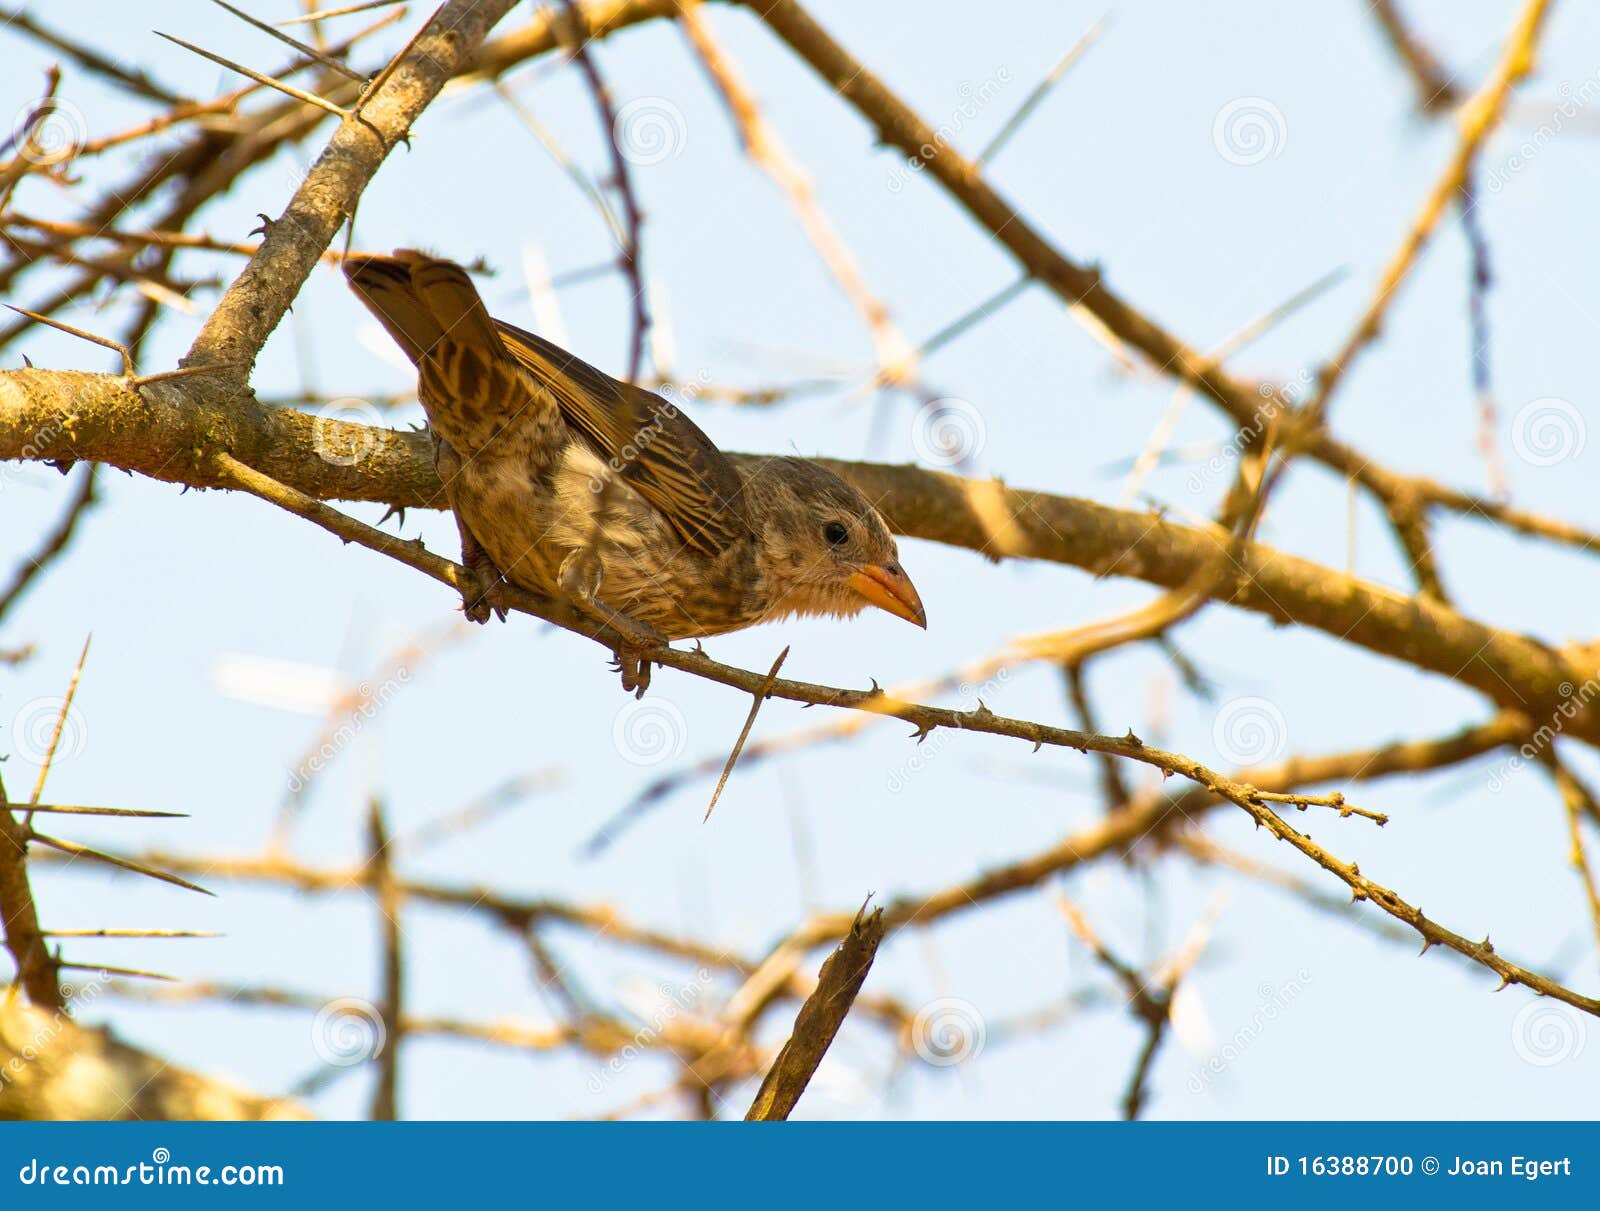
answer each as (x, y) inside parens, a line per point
(484, 595)
(634, 665)
(632, 655)
(580, 577)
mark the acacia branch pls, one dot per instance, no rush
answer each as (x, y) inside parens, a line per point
(174, 430)
(260, 296)
(1436, 91)
(19, 916)
(1251, 799)
(1480, 115)
(1249, 406)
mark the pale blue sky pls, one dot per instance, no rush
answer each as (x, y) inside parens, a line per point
(1118, 166)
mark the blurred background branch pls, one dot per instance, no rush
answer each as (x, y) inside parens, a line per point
(104, 235)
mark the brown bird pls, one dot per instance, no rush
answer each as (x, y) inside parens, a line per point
(574, 485)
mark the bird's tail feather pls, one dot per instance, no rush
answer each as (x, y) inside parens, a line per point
(421, 301)
(450, 296)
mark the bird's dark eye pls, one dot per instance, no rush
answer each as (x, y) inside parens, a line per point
(835, 533)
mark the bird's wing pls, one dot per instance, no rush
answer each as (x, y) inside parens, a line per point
(658, 451)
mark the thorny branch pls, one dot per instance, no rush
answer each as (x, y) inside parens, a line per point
(205, 429)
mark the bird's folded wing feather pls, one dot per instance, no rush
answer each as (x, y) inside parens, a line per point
(660, 453)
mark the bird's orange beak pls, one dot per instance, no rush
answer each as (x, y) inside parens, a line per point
(890, 589)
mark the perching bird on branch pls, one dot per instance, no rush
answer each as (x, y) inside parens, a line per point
(576, 486)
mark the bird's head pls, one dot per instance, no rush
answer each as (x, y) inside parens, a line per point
(822, 547)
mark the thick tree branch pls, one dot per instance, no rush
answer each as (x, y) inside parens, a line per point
(261, 295)
(175, 429)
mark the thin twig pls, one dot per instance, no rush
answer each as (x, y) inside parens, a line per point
(621, 179)
(744, 732)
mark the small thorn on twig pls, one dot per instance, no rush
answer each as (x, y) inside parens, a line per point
(311, 52)
(744, 732)
(144, 380)
(103, 342)
(288, 90)
(83, 851)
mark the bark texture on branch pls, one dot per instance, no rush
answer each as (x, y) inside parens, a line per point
(819, 1019)
(53, 1069)
(173, 430)
(260, 296)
